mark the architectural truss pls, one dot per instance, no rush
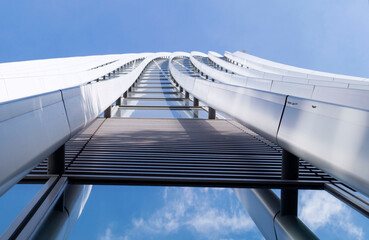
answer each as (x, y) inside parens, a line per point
(236, 121)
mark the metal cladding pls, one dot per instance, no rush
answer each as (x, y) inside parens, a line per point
(332, 135)
(264, 208)
(177, 152)
(42, 123)
(322, 118)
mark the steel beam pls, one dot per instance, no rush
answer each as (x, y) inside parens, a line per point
(56, 161)
(107, 112)
(212, 113)
(24, 217)
(290, 171)
(263, 207)
(187, 94)
(195, 102)
(34, 215)
(118, 101)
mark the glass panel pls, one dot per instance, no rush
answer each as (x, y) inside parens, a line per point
(161, 113)
(156, 81)
(14, 201)
(155, 90)
(155, 85)
(155, 95)
(183, 102)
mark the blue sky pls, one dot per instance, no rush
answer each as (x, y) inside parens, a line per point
(323, 35)
(328, 35)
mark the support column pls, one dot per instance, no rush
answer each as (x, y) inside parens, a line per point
(187, 94)
(118, 101)
(290, 171)
(212, 113)
(55, 162)
(125, 94)
(107, 112)
(180, 89)
(195, 102)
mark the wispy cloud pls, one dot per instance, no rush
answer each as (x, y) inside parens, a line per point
(209, 213)
(320, 209)
(108, 235)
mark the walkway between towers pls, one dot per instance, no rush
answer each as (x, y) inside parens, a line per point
(156, 136)
(159, 135)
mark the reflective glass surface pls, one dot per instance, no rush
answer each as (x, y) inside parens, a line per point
(154, 83)
(155, 95)
(184, 102)
(161, 113)
(14, 201)
(150, 89)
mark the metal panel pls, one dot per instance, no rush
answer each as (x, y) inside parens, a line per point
(3, 92)
(234, 68)
(291, 227)
(294, 89)
(263, 207)
(358, 86)
(258, 83)
(40, 124)
(33, 225)
(334, 138)
(185, 152)
(288, 70)
(260, 111)
(21, 85)
(31, 130)
(349, 97)
(80, 106)
(220, 76)
(295, 86)
(297, 80)
(59, 223)
(328, 83)
(22, 219)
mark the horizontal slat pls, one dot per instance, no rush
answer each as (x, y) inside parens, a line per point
(178, 152)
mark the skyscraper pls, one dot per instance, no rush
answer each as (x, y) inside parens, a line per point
(255, 125)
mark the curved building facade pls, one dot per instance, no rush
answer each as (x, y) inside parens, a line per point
(250, 124)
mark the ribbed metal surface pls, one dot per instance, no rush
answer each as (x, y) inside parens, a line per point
(185, 152)
(180, 152)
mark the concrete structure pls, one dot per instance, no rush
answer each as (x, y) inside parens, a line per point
(268, 125)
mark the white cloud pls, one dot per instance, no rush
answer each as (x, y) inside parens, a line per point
(320, 209)
(110, 236)
(215, 220)
(211, 213)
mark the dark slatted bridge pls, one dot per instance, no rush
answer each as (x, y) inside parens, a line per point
(182, 149)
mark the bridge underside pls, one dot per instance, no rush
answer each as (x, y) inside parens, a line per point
(177, 152)
(122, 148)
(183, 152)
